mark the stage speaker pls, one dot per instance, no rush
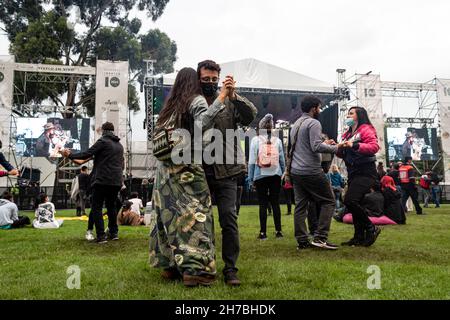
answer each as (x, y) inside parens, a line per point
(33, 175)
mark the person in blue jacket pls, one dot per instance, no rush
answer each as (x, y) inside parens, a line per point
(266, 168)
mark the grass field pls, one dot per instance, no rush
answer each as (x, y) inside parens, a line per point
(414, 261)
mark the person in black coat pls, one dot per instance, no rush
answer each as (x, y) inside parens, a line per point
(373, 202)
(393, 208)
(106, 181)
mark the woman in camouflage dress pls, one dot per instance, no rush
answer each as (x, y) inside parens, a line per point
(182, 239)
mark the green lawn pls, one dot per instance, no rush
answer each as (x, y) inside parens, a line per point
(414, 261)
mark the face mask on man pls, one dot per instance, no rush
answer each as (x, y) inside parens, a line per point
(209, 88)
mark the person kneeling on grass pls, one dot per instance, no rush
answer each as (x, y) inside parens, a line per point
(127, 217)
(9, 214)
(45, 214)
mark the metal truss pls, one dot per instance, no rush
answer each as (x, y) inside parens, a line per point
(407, 86)
(149, 85)
(56, 78)
(281, 92)
(31, 110)
(400, 94)
(425, 93)
(401, 122)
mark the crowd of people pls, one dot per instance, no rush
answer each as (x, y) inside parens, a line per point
(182, 241)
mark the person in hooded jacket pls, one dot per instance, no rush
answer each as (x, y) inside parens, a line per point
(393, 208)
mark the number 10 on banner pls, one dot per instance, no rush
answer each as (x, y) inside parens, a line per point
(113, 82)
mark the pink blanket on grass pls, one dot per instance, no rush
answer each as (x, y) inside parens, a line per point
(383, 220)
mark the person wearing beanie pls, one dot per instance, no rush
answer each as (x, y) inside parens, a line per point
(106, 179)
(266, 167)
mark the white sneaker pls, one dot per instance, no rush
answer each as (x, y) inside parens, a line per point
(324, 244)
(90, 235)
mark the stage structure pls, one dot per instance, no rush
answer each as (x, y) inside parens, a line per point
(278, 91)
(111, 105)
(151, 81)
(433, 107)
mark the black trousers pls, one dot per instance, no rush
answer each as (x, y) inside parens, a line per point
(240, 191)
(410, 190)
(21, 222)
(268, 190)
(108, 195)
(289, 193)
(224, 192)
(91, 221)
(312, 190)
(358, 187)
(313, 216)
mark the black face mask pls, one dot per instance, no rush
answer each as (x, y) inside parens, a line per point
(209, 88)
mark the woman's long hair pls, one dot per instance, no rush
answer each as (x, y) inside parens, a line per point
(363, 117)
(185, 89)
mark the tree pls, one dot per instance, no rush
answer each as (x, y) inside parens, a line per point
(40, 31)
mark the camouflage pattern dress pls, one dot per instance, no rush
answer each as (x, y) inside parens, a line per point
(183, 234)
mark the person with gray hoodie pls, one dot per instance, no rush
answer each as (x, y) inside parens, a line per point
(308, 178)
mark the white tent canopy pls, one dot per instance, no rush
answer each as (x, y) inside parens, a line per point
(255, 74)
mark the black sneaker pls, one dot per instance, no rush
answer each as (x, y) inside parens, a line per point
(113, 237)
(279, 234)
(338, 217)
(304, 245)
(323, 244)
(262, 236)
(232, 279)
(353, 243)
(371, 236)
(101, 240)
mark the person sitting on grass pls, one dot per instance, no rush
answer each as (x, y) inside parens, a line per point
(373, 202)
(45, 214)
(393, 208)
(137, 205)
(9, 214)
(127, 217)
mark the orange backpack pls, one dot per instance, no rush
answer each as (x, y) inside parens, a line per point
(268, 155)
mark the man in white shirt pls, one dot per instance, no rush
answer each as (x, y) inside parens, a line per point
(137, 203)
(9, 213)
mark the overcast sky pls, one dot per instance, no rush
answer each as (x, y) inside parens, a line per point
(400, 40)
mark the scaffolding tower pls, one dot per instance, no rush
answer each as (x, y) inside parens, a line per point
(149, 86)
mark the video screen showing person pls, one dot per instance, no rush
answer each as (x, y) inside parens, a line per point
(420, 144)
(40, 137)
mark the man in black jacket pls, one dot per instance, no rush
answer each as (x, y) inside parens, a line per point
(223, 178)
(106, 181)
